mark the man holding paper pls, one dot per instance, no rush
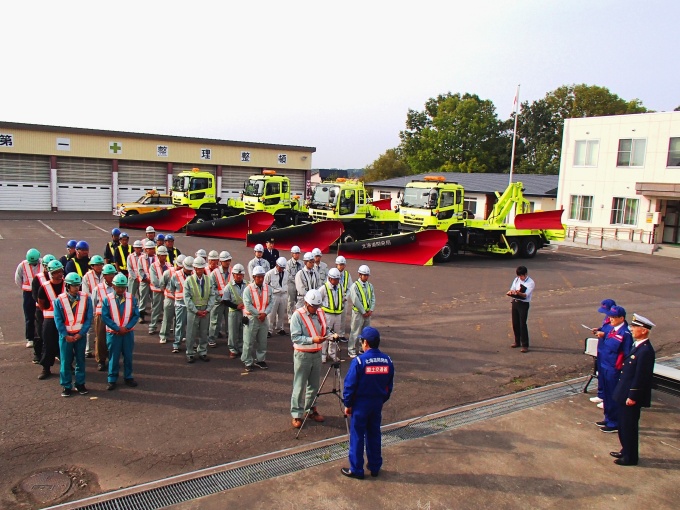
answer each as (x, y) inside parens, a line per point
(520, 291)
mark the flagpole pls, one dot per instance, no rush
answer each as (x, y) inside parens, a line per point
(514, 136)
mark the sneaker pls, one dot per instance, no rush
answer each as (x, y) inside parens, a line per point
(190, 359)
(524, 349)
(233, 355)
(609, 430)
(101, 367)
(261, 364)
(131, 383)
(153, 331)
(36, 360)
(600, 405)
(29, 344)
(595, 400)
(82, 389)
(212, 344)
(163, 341)
(204, 357)
(111, 386)
(602, 423)
(66, 392)
(175, 350)
(89, 354)
(349, 474)
(269, 334)
(44, 374)
(282, 332)
(248, 368)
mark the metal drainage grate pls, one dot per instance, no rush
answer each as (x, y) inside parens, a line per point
(202, 486)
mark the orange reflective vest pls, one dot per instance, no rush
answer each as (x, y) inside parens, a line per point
(115, 314)
(259, 300)
(74, 321)
(311, 329)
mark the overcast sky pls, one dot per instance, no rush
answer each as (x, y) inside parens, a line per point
(338, 76)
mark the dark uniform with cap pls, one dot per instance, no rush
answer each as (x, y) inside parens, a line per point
(634, 390)
(271, 254)
(368, 385)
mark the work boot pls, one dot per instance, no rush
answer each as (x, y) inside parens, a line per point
(297, 423)
(44, 374)
(314, 415)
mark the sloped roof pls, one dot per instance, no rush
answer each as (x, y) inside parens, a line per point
(534, 185)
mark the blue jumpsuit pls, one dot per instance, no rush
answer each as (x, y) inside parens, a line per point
(613, 348)
(69, 350)
(600, 381)
(120, 343)
(368, 385)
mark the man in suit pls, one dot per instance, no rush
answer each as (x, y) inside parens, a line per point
(634, 390)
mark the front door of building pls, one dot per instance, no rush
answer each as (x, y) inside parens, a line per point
(671, 224)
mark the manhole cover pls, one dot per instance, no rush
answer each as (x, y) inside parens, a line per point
(47, 486)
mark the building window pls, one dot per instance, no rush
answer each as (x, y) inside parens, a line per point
(624, 211)
(674, 152)
(385, 195)
(470, 204)
(581, 208)
(586, 152)
(631, 152)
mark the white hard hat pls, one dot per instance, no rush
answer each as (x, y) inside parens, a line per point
(238, 269)
(316, 252)
(180, 258)
(137, 244)
(161, 250)
(308, 256)
(364, 269)
(341, 260)
(295, 249)
(213, 255)
(225, 255)
(199, 263)
(259, 271)
(281, 262)
(258, 247)
(149, 244)
(333, 273)
(188, 263)
(201, 253)
(313, 297)
(150, 229)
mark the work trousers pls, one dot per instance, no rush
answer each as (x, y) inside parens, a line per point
(333, 323)
(144, 297)
(610, 378)
(168, 325)
(180, 324)
(520, 314)
(133, 288)
(255, 340)
(117, 345)
(358, 323)
(292, 300)
(218, 321)
(306, 374)
(364, 430)
(197, 333)
(101, 352)
(50, 347)
(156, 310)
(37, 342)
(629, 425)
(277, 317)
(29, 315)
(67, 352)
(343, 321)
(235, 331)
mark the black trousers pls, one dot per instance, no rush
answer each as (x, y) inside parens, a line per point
(520, 314)
(50, 347)
(629, 423)
(38, 343)
(29, 315)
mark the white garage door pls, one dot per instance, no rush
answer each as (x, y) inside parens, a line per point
(24, 182)
(84, 184)
(136, 177)
(297, 180)
(233, 178)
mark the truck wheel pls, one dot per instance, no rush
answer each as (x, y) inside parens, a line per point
(131, 213)
(445, 254)
(529, 248)
(348, 236)
(514, 244)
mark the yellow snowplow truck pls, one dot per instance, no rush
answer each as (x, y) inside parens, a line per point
(434, 203)
(271, 193)
(196, 189)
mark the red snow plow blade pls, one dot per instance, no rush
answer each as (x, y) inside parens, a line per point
(385, 204)
(415, 248)
(233, 227)
(165, 220)
(544, 220)
(319, 234)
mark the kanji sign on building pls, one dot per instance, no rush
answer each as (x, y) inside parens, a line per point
(6, 140)
(283, 159)
(245, 157)
(162, 151)
(116, 147)
(206, 154)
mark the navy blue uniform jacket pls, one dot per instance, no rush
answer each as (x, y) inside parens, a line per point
(635, 382)
(370, 376)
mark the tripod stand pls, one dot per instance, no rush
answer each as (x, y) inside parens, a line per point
(336, 390)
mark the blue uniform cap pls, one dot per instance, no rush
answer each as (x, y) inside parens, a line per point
(606, 305)
(616, 311)
(369, 334)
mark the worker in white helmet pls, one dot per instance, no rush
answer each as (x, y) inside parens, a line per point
(258, 304)
(320, 266)
(362, 295)
(346, 284)
(168, 324)
(219, 278)
(258, 260)
(144, 271)
(306, 279)
(277, 279)
(160, 265)
(332, 303)
(233, 299)
(176, 286)
(293, 266)
(133, 268)
(213, 262)
(199, 298)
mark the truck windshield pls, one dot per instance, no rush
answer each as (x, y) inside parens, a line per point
(180, 184)
(420, 198)
(325, 195)
(254, 188)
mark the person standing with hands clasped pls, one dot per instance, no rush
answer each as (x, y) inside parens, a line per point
(368, 385)
(520, 291)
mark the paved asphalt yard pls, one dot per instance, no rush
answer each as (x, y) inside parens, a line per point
(447, 328)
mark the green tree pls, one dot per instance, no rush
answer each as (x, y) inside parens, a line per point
(388, 165)
(454, 133)
(540, 124)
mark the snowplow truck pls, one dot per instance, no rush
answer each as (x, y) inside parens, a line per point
(346, 200)
(271, 193)
(433, 203)
(196, 189)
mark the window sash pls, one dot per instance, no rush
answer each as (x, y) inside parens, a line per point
(624, 211)
(631, 152)
(673, 152)
(586, 152)
(581, 208)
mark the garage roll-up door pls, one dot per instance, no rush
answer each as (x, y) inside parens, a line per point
(297, 180)
(24, 182)
(84, 184)
(135, 177)
(233, 178)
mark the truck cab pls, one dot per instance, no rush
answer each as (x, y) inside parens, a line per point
(339, 199)
(194, 189)
(267, 192)
(432, 203)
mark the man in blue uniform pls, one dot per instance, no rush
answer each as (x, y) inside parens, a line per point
(615, 346)
(368, 385)
(634, 390)
(605, 306)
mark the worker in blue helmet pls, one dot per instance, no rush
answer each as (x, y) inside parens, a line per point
(81, 262)
(70, 252)
(110, 249)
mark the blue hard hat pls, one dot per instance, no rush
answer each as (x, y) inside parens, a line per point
(169, 237)
(72, 243)
(124, 234)
(160, 237)
(115, 232)
(82, 245)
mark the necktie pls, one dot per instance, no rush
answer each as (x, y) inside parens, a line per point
(200, 282)
(281, 279)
